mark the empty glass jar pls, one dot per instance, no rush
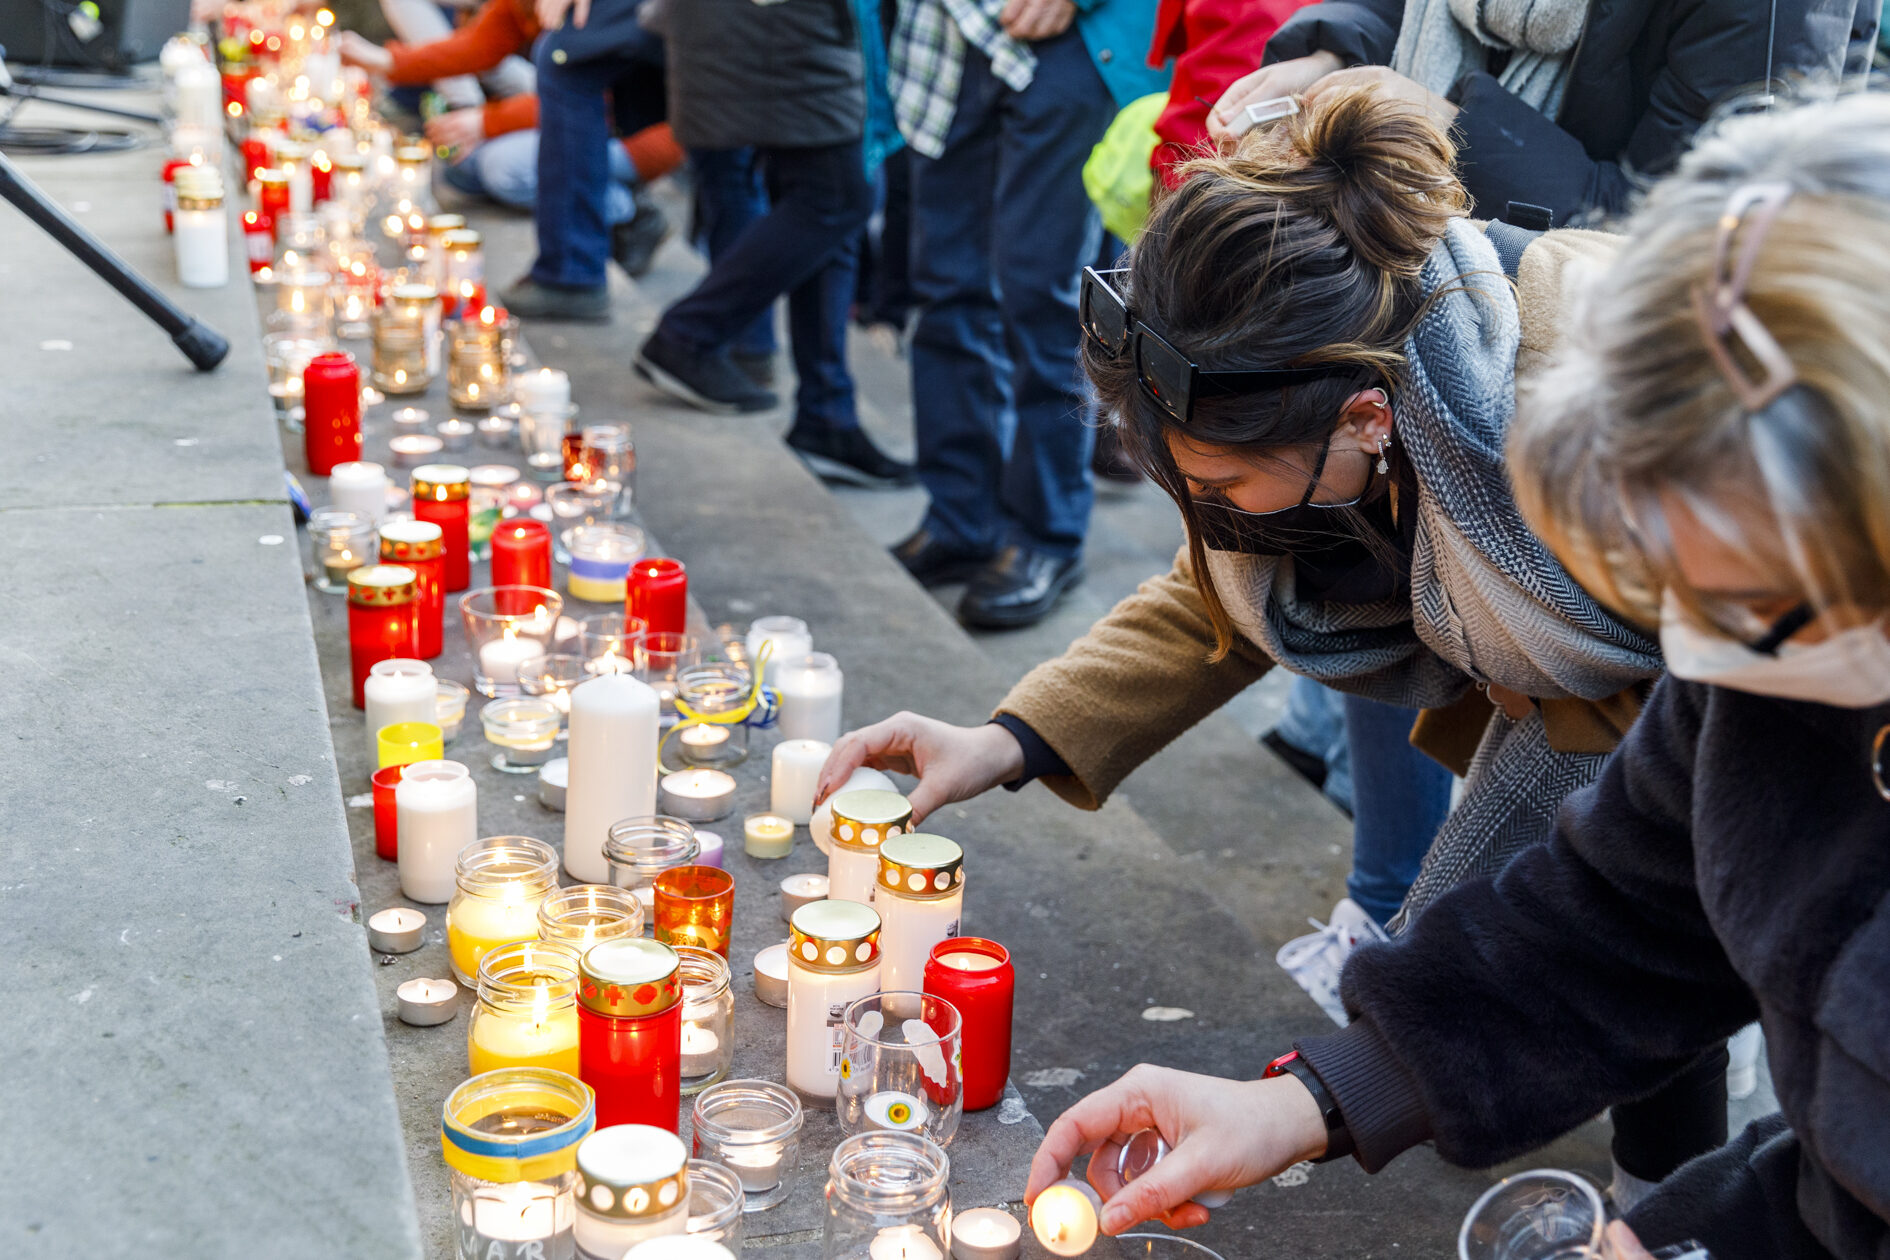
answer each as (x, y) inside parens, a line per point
(887, 1196)
(715, 1204)
(900, 1067)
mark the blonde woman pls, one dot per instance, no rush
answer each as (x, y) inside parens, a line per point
(1712, 455)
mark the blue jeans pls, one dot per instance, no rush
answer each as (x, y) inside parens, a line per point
(730, 196)
(1399, 800)
(1001, 231)
(505, 169)
(573, 210)
(806, 246)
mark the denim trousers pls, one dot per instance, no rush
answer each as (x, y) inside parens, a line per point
(1399, 800)
(1001, 231)
(576, 100)
(805, 247)
(729, 196)
(505, 169)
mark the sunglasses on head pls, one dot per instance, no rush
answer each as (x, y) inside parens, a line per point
(1170, 379)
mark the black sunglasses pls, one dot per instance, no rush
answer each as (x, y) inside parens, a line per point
(1170, 378)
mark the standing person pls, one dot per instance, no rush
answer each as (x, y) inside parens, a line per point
(1001, 102)
(1712, 454)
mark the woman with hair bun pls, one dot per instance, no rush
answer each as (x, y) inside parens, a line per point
(1711, 454)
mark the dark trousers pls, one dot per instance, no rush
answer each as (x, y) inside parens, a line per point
(1400, 798)
(576, 103)
(806, 247)
(1001, 231)
(730, 196)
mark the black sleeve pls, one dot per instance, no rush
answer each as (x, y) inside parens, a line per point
(1358, 32)
(1583, 975)
(1040, 760)
(1507, 151)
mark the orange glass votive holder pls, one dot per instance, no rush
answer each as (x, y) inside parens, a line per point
(695, 905)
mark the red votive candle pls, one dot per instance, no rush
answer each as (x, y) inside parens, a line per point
(321, 173)
(658, 592)
(259, 239)
(386, 817)
(273, 200)
(420, 545)
(331, 403)
(975, 975)
(255, 155)
(380, 619)
(440, 495)
(521, 556)
(630, 1031)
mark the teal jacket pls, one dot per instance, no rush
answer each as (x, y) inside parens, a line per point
(1118, 34)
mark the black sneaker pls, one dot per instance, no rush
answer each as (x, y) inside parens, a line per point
(634, 243)
(531, 299)
(758, 368)
(706, 380)
(848, 456)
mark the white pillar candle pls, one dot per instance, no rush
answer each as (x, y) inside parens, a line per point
(920, 899)
(200, 106)
(795, 772)
(543, 390)
(359, 486)
(822, 823)
(437, 809)
(986, 1234)
(833, 961)
(789, 636)
(810, 685)
(612, 772)
(399, 689)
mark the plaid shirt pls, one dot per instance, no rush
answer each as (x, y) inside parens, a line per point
(928, 63)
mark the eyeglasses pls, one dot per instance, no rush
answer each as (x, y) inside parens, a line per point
(1170, 379)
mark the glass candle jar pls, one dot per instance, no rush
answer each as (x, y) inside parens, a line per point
(553, 676)
(359, 281)
(887, 1199)
(584, 914)
(695, 905)
(521, 553)
(920, 899)
(478, 377)
(833, 961)
(975, 975)
(449, 707)
(753, 1128)
(862, 821)
(788, 639)
(640, 849)
(610, 643)
(401, 335)
(501, 882)
(510, 1138)
(542, 428)
(665, 655)
(659, 594)
(630, 1031)
(705, 694)
(440, 494)
(343, 541)
(899, 1071)
(610, 464)
(524, 729)
(634, 1186)
(287, 356)
(574, 503)
(331, 411)
(399, 689)
(708, 1015)
(421, 546)
(501, 639)
(716, 1204)
(601, 556)
(526, 1015)
(380, 619)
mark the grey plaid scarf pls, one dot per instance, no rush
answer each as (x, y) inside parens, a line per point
(1441, 40)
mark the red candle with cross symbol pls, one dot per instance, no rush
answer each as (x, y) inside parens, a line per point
(421, 546)
(630, 1031)
(658, 592)
(380, 619)
(331, 405)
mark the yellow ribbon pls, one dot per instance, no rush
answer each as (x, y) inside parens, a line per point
(734, 717)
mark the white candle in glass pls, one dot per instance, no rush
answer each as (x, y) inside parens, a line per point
(811, 686)
(821, 825)
(437, 808)
(359, 486)
(522, 1212)
(966, 960)
(699, 1046)
(612, 775)
(499, 660)
(789, 636)
(903, 1242)
(543, 390)
(399, 689)
(795, 772)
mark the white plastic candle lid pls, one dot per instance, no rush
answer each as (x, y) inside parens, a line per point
(634, 960)
(409, 531)
(448, 474)
(679, 1247)
(631, 1154)
(871, 805)
(836, 920)
(921, 851)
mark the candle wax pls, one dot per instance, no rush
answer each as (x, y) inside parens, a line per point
(768, 836)
(499, 660)
(699, 1046)
(521, 1211)
(903, 1242)
(476, 926)
(1064, 1218)
(704, 736)
(986, 1234)
(538, 1037)
(966, 960)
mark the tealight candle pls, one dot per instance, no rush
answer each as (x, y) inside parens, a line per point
(798, 890)
(767, 836)
(986, 1234)
(795, 774)
(696, 795)
(708, 849)
(903, 1242)
(456, 434)
(411, 450)
(497, 431)
(753, 1128)
(396, 930)
(424, 1003)
(410, 421)
(553, 778)
(771, 975)
(1064, 1217)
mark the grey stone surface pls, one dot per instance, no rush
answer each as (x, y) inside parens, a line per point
(194, 1064)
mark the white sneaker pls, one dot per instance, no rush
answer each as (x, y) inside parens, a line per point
(1316, 959)
(1742, 1073)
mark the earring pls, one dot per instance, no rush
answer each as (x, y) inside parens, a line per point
(1383, 466)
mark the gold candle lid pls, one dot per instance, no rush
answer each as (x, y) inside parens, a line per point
(921, 865)
(412, 154)
(632, 1172)
(441, 224)
(630, 977)
(402, 541)
(272, 177)
(459, 238)
(866, 816)
(443, 483)
(381, 585)
(834, 936)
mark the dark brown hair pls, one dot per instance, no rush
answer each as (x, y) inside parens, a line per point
(1304, 247)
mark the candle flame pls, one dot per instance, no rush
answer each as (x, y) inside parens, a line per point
(541, 1004)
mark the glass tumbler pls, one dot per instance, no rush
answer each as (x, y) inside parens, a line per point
(640, 849)
(708, 1030)
(505, 627)
(753, 1128)
(541, 433)
(901, 1066)
(524, 729)
(1545, 1214)
(666, 654)
(715, 1204)
(695, 905)
(343, 543)
(610, 642)
(711, 691)
(887, 1197)
(551, 678)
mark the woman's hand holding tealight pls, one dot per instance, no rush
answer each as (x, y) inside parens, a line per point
(1223, 1134)
(953, 763)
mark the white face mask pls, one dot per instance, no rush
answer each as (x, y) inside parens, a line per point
(1849, 670)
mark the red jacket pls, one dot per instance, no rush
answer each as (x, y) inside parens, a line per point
(1213, 42)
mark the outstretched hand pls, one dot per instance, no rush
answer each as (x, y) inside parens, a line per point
(953, 763)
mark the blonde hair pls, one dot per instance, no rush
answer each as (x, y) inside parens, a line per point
(1635, 411)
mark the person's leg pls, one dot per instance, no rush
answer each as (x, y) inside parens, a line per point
(730, 196)
(1399, 800)
(961, 396)
(504, 169)
(573, 174)
(512, 77)
(892, 295)
(422, 22)
(1685, 1118)
(817, 334)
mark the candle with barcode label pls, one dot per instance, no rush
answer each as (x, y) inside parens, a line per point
(833, 960)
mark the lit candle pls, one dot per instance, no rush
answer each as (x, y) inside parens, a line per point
(795, 774)
(696, 795)
(543, 390)
(1064, 1217)
(965, 960)
(767, 836)
(798, 890)
(699, 1046)
(541, 1034)
(396, 930)
(522, 1212)
(475, 926)
(704, 737)
(414, 449)
(904, 1242)
(986, 1234)
(499, 660)
(360, 487)
(424, 1002)
(771, 974)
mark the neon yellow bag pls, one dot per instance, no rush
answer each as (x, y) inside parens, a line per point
(1117, 176)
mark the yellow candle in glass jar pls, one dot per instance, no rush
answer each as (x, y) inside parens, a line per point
(541, 1032)
(477, 925)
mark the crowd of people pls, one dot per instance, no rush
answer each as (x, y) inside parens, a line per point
(1517, 370)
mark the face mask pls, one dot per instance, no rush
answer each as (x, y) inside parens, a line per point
(1849, 670)
(1331, 561)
